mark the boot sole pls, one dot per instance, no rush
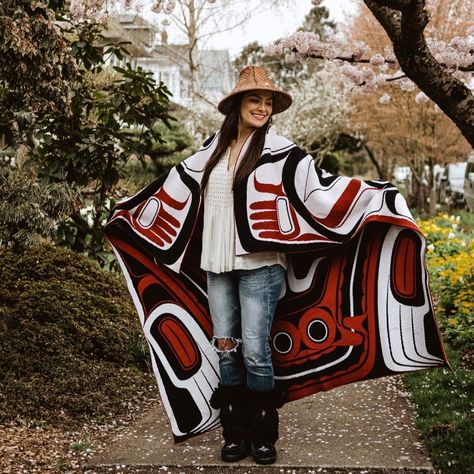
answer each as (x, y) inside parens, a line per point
(235, 457)
(264, 460)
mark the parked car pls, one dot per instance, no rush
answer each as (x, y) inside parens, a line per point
(451, 186)
(469, 183)
(401, 174)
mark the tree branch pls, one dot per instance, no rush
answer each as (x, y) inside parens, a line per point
(205, 99)
(406, 30)
(375, 161)
(351, 59)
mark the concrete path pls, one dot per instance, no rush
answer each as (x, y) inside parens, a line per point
(362, 428)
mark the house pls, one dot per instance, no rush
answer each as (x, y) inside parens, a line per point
(150, 49)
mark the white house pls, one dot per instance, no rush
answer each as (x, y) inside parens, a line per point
(168, 62)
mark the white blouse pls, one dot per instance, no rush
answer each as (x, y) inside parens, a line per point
(218, 238)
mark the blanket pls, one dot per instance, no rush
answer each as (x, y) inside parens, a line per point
(356, 303)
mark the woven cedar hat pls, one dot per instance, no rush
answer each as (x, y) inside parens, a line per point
(256, 78)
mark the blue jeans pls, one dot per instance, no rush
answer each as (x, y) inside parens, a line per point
(242, 305)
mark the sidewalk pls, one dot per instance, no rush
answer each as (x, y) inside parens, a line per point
(365, 427)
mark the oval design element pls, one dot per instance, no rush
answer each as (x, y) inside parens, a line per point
(149, 212)
(282, 342)
(404, 275)
(406, 269)
(317, 330)
(285, 341)
(180, 341)
(283, 215)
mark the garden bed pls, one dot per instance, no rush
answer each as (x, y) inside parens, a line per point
(443, 399)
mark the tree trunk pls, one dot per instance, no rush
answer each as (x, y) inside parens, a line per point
(193, 50)
(381, 170)
(433, 201)
(83, 231)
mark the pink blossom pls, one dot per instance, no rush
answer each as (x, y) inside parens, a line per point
(385, 99)
(316, 3)
(389, 54)
(458, 52)
(95, 4)
(336, 41)
(169, 7)
(352, 73)
(406, 84)
(421, 98)
(368, 75)
(381, 79)
(77, 9)
(273, 50)
(304, 42)
(157, 6)
(460, 44)
(377, 60)
(360, 50)
(303, 45)
(290, 57)
(330, 52)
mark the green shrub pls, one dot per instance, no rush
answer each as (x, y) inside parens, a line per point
(68, 333)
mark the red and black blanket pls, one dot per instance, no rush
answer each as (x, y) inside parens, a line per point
(356, 303)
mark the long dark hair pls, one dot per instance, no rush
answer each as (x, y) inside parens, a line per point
(228, 132)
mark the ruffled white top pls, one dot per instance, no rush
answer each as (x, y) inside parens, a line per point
(218, 238)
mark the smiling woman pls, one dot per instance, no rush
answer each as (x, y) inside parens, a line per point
(255, 109)
(243, 290)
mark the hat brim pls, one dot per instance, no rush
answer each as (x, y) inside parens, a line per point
(281, 100)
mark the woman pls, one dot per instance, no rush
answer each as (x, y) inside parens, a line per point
(243, 290)
(204, 250)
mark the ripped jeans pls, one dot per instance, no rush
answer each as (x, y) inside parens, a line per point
(242, 305)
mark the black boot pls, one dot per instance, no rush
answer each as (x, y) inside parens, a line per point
(231, 401)
(263, 424)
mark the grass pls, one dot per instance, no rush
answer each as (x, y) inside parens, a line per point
(445, 413)
(82, 446)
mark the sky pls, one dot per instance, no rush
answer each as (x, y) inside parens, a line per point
(271, 25)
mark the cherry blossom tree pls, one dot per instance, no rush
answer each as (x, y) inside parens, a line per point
(442, 70)
(404, 131)
(317, 117)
